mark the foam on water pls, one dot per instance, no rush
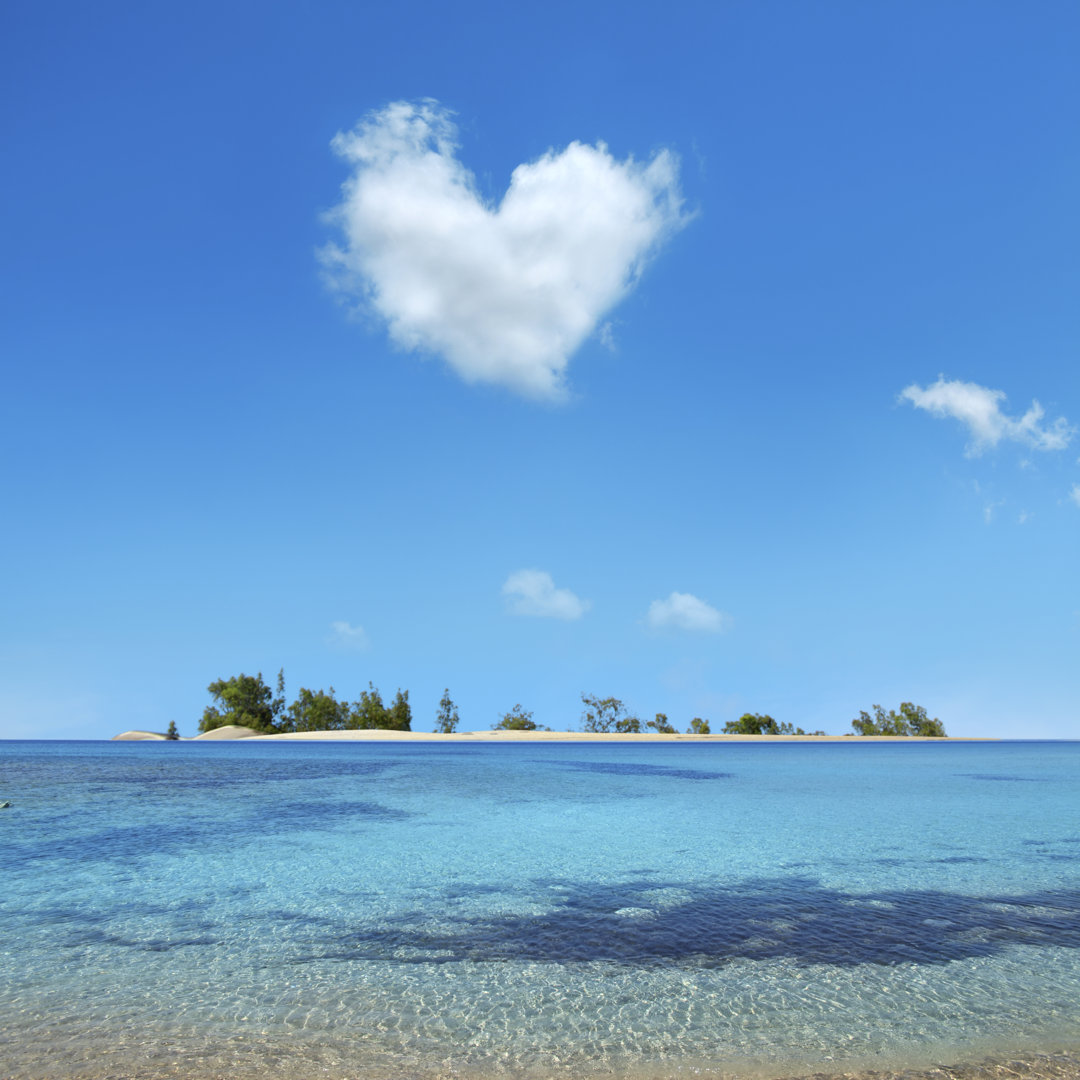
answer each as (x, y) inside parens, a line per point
(637, 910)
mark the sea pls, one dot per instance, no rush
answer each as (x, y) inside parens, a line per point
(530, 910)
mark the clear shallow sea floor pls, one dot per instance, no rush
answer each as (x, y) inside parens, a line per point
(379, 910)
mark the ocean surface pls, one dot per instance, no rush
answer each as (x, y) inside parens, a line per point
(378, 910)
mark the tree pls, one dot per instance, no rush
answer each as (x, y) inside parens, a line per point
(279, 701)
(698, 727)
(369, 712)
(763, 724)
(628, 725)
(315, 710)
(910, 720)
(660, 725)
(752, 724)
(920, 724)
(606, 714)
(171, 733)
(446, 719)
(399, 715)
(244, 700)
(518, 719)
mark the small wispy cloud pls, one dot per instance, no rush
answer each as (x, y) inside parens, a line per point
(1074, 494)
(683, 611)
(344, 635)
(533, 592)
(504, 293)
(978, 408)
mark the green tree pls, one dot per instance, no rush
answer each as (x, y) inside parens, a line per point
(881, 723)
(698, 727)
(245, 700)
(171, 733)
(278, 704)
(518, 719)
(910, 720)
(399, 715)
(660, 725)
(446, 719)
(368, 712)
(919, 723)
(315, 710)
(763, 724)
(628, 725)
(606, 714)
(752, 724)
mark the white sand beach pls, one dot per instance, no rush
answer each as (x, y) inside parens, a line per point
(233, 731)
(377, 735)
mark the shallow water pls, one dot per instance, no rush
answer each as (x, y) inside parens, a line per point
(377, 910)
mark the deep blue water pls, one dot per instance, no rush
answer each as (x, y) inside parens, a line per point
(376, 909)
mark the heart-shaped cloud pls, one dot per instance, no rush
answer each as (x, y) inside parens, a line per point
(506, 294)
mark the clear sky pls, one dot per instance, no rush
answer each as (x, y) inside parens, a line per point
(719, 357)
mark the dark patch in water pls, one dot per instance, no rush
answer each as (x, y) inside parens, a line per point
(794, 919)
(462, 890)
(300, 814)
(629, 768)
(130, 842)
(1004, 778)
(100, 938)
(167, 945)
(164, 778)
(896, 861)
(206, 774)
(122, 843)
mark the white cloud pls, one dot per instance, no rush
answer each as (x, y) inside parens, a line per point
(979, 408)
(686, 612)
(1074, 494)
(504, 293)
(346, 636)
(533, 592)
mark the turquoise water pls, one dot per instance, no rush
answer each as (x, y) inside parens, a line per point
(536, 909)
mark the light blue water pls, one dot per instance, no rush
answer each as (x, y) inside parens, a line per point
(377, 910)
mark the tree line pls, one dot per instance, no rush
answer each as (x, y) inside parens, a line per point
(910, 720)
(610, 715)
(246, 700)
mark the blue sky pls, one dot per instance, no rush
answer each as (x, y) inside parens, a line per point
(687, 353)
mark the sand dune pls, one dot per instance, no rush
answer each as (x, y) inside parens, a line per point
(230, 731)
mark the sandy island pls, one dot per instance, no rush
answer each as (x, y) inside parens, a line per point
(380, 735)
